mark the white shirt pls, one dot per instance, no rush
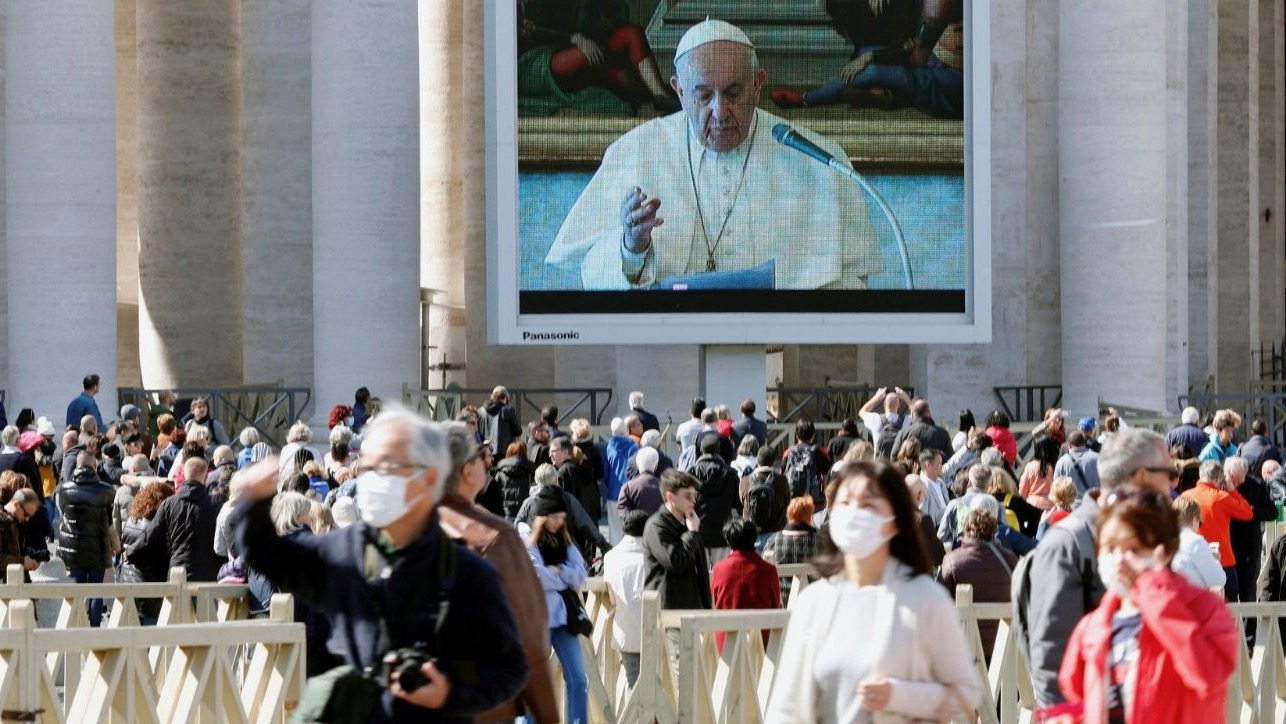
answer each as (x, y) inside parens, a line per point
(1195, 562)
(808, 219)
(625, 572)
(686, 434)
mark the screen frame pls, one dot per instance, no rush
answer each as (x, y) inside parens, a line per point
(507, 326)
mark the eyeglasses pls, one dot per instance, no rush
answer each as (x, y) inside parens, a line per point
(1168, 470)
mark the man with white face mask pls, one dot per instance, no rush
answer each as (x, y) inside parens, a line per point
(395, 581)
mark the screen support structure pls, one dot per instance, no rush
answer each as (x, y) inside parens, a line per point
(731, 373)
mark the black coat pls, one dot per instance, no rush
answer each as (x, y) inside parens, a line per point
(83, 531)
(650, 422)
(1247, 536)
(24, 463)
(515, 476)
(182, 534)
(674, 562)
(716, 497)
(499, 424)
(579, 481)
(929, 435)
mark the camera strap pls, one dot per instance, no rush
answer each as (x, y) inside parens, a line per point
(371, 569)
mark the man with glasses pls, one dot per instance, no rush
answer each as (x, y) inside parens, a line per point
(1064, 581)
(21, 508)
(394, 580)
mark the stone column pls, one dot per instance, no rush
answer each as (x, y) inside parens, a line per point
(188, 207)
(1112, 202)
(1237, 193)
(4, 245)
(1267, 287)
(1176, 203)
(366, 198)
(448, 104)
(60, 176)
(1202, 208)
(127, 194)
(276, 194)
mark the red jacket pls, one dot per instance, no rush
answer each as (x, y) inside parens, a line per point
(1187, 651)
(1004, 441)
(744, 580)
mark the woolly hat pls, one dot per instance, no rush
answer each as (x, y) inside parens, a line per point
(709, 31)
(549, 501)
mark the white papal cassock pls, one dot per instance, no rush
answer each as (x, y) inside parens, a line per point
(790, 209)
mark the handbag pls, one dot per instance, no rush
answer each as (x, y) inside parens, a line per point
(578, 621)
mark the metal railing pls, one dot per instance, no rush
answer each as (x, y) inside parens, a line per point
(830, 403)
(270, 410)
(592, 403)
(1029, 402)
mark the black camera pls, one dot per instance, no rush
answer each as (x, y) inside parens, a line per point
(407, 664)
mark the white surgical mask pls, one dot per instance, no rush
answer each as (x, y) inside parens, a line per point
(381, 498)
(856, 531)
(1108, 564)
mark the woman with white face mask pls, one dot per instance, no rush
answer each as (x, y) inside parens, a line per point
(1157, 648)
(877, 640)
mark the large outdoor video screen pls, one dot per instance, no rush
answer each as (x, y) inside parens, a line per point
(806, 171)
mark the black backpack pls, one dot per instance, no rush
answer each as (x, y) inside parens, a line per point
(760, 501)
(884, 444)
(802, 474)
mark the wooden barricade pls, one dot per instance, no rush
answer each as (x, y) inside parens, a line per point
(118, 683)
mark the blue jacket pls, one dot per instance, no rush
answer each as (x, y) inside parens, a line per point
(616, 456)
(84, 405)
(479, 648)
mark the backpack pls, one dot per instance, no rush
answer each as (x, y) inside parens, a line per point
(1011, 518)
(802, 474)
(1020, 584)
(687, 459)
(884, 444)
(759, 501)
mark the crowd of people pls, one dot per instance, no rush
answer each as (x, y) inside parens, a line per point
(1108, 542)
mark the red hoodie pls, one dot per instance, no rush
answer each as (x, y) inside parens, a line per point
(1188, 649)
(1004, 441)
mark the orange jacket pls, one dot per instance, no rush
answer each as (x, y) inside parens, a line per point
(1187, 650)
(1218, 508)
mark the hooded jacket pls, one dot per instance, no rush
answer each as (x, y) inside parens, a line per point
(499, 424)
(515, 476)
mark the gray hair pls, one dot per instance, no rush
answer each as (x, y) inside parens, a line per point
(299, 432)
(647, 459)
(1190, 416)
(618, 426)
(979, 476)
(1211, 471)
(286, 509)
(9, 436)
(428, 443)
(461, 444)
(1236, 466)
(85, 459)
(991, 456)
(223, 454)
(636, 399)
(25, 497)
(546, 475)
(249, 437)
(1125, 453)
(341, 436)
(986, 503)
(138, 464)
(749, 446)
(199, 431)
(651, 438)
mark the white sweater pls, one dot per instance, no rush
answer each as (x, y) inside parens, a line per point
(1195, 562)
(904, 630)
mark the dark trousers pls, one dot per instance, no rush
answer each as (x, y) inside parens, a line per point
(1231, 587)
(1247, 583)
(91, 575)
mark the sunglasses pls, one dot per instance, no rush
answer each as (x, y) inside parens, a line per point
(1139, 497)
(1169, 471)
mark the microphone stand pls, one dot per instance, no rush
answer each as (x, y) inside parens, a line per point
(852, 174)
